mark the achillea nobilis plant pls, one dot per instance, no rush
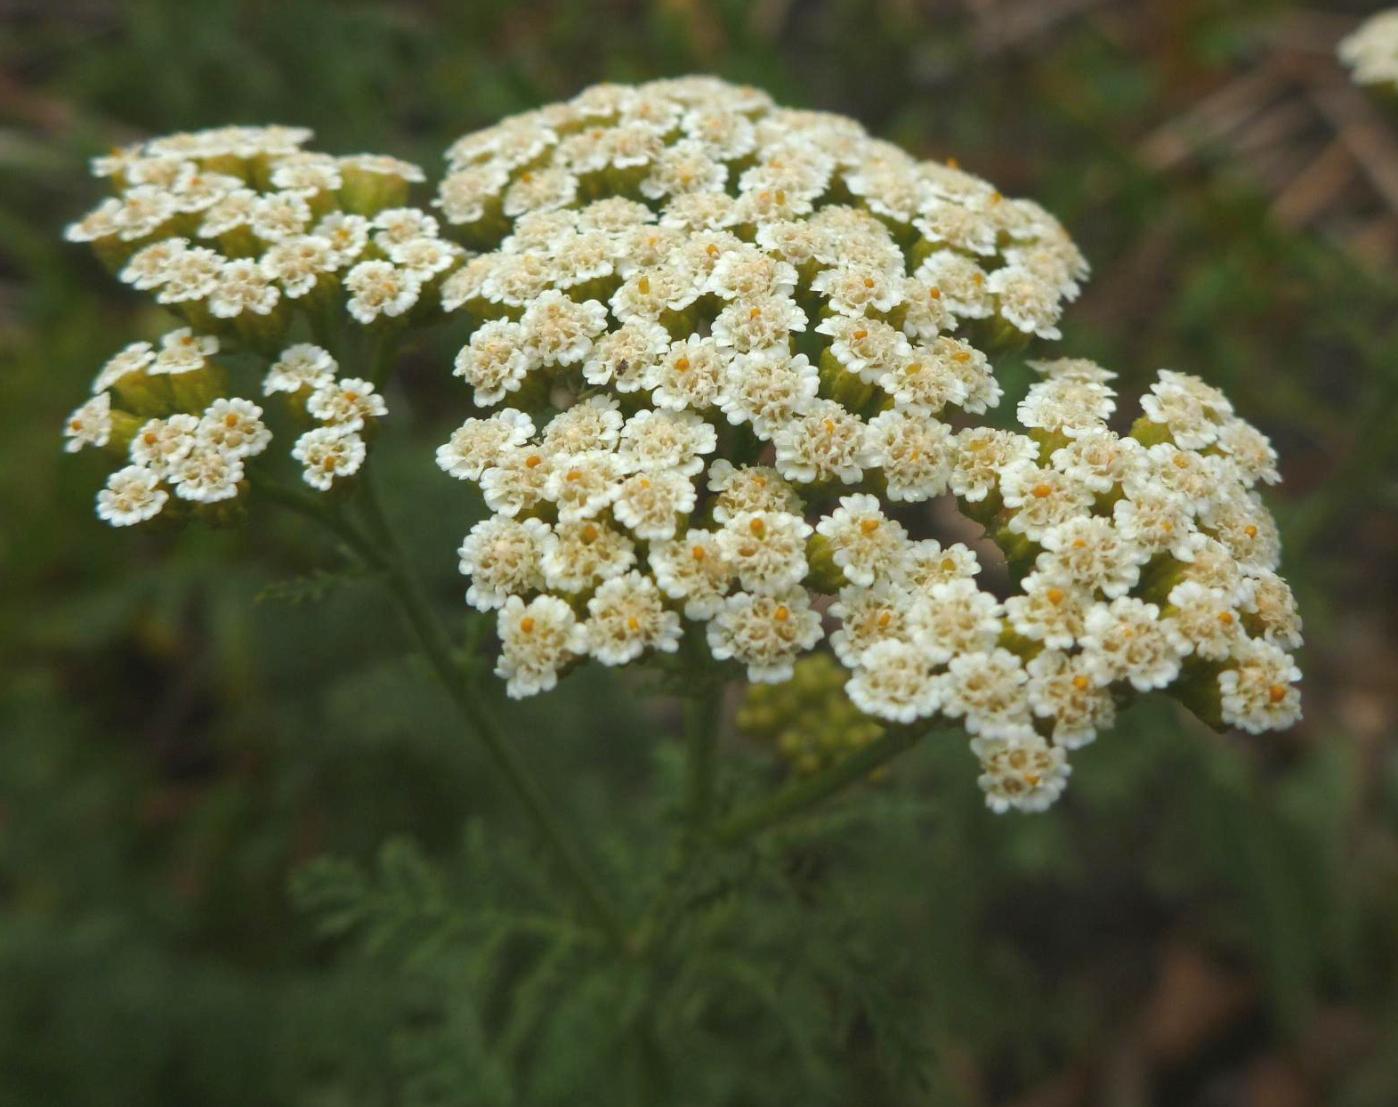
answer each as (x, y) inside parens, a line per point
(720, 357)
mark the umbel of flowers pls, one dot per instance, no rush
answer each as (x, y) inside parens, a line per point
(721, 356)
(248, 238)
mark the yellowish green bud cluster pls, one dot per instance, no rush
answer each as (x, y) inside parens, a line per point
(809, 720)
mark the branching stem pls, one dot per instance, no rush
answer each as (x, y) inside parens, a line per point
(384, 553)
(803, 794)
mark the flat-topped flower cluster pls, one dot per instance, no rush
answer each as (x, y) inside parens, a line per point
(1371, 50)
(246, 235)
(719, 354)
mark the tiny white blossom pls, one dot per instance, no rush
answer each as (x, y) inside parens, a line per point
(1041, 499)
(688, 375)
(651, 502)
(161, 444)
(982, 454)
(183, 351)
(479, 443)
(749, 488)
(867, 616)
(764, 632)
(675, 440)
(767, 388)
(132, 495)
(133, 359)
(692, 568)
(927, 563)
(955, 617)
(1089, 552)
(515, 480)
(1191, 410)
(537, 639)
(1206, 618)
(865, 544)
(592, 424)
(502, 556)
(626, 617)
(1258, 689)
(560, 331)
(207, 474)
(1048, 611)
(243, 285)
(913, 451)
(895, 680)
(89, 425)
(1023, 773)
(578, 555)
(234, 427)
(987, 691)
(1062, 690)
(328, 454)
(824, 443)
(1128, 640)
(348, 403)
(302, 366)
(381, 289)
(1268, 601)
(766, 549)
(582, 485)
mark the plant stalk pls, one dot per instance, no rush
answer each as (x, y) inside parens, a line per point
(807, 792)
(702, 712)
(387, 557)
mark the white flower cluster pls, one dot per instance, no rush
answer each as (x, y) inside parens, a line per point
(199, 456)
(733, 338)
(242, 232)
(346, 409)
(196, 448)
(1371, 51)
(719, 352)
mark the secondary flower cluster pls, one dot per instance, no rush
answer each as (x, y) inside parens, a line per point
(246, 235)
(724, 342)
(1371, 51)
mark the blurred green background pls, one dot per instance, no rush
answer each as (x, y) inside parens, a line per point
(189, 721)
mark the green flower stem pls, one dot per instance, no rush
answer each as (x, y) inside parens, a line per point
(386, 556)
(809, 791)
(305, 504)
(522, 782)
(702, 712)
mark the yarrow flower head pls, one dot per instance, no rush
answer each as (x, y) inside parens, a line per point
(725, 363)
(255, 243)
(755, 368)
